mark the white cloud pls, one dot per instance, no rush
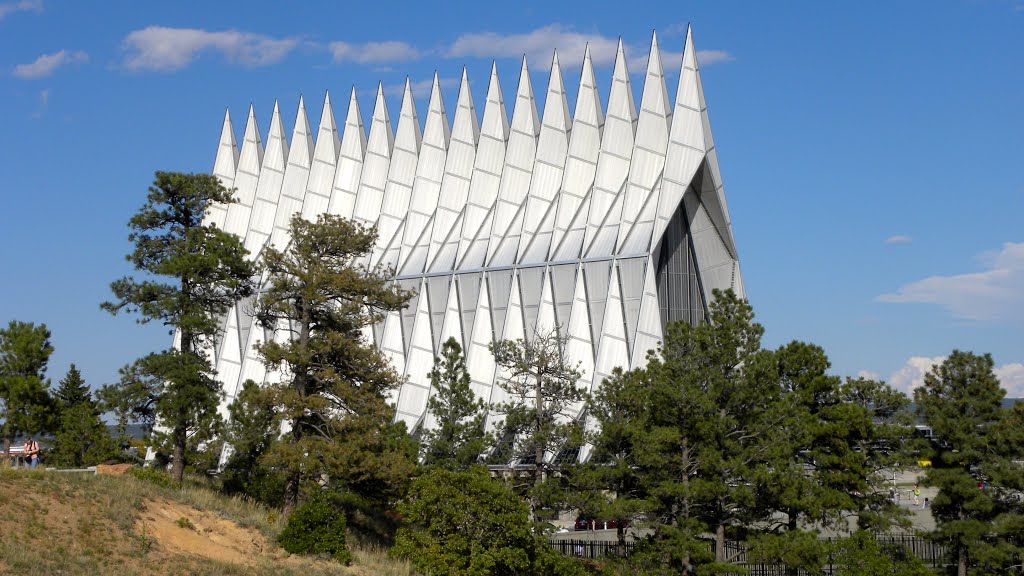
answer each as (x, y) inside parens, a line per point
(1011, 376)
(708, 57)
(373, 52)
(47, 63)
(22, 6)
(899, 239)
(868, 375)
(911, 374)
(420, 89)
(167, 49)
(539, 45)
(993, 294)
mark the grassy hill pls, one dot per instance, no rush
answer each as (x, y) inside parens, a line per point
(59, 523)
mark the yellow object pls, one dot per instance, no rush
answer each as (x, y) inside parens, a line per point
(924, 463)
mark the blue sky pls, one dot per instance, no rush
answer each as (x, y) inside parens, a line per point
(872, 152)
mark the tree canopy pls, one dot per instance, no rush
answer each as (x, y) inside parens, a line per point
(193, 272)
(25, 403)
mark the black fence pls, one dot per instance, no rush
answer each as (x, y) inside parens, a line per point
(933, 554)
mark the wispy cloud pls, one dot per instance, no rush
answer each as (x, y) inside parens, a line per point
(708, 57)
(420, 89)
(47, 63)
(899, 239)
(538, 45)
(44, 103)
(911, 375)
(168, 49)
(993, 294)
(373, 52)
(23, 6)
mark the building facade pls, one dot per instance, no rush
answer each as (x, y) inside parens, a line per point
(602, 223)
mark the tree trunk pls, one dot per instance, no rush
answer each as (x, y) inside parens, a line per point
(961, 564)
(179, 438)
(720, 543)
(7, 447)
(300, 369)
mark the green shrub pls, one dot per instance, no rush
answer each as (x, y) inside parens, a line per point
(150, 474)
(316, 527)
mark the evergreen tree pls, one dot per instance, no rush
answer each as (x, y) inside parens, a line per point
(458, 438)
(25, 403)
(539, 417)
(72, 389)
(250, 431)
(463, 523)
(977, 508)
(686, 437)
(333, 397)
(195, 272)
(82, 438)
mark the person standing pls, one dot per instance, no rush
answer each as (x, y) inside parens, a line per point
(32, 452)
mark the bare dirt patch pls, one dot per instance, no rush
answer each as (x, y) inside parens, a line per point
(180, 528)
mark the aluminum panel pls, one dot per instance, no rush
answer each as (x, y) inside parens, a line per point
(398, 190)
(325, 162)
(296, 177)
(486, 178)
(268, 191)
(648, 162)
(225, 164)
(250, 163)
(350, 162)
(374, 176)
(516, 175)
(612, 164)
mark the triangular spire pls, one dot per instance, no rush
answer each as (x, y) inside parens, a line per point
(251, 158)
(495, 122)
(435, 129)
(382, 138)
(524, 115)
(276, 155)
(353, 140)
(639, 207)
(327, 142)
(226, 162)
(552, 151)
(621, 102)
(574, 196)
(466, 126)
(556, 107)
(408, 136)
(655, 98)
(301, 151)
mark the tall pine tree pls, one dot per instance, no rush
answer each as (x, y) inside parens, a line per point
(25, 402)
(333, 398)
(457, 439)
(194, 273)
(977, 508)
(82, 438)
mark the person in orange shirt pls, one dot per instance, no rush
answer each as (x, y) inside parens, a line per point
(32, 452)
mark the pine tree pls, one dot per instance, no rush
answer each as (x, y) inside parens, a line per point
(977, 508)
(333, 398)
(195, 273)
(457, 439)
(539, 417)
(82, 437)
(250, 432)
(72, 389)
(25, 402)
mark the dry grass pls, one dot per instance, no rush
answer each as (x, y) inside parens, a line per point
(83, 524)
